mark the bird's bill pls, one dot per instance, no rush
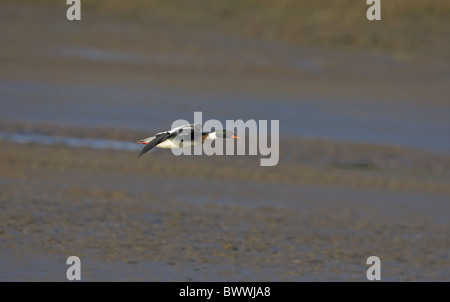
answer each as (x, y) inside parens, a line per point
(142, 142)
(234, 136)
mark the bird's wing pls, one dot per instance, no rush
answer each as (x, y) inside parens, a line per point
(186, 128)
(184, 133)
(184, 136)
(159, 138)
(187, 133)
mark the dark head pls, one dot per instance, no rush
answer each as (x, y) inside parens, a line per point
(225, 134)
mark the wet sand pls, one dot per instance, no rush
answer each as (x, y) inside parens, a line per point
(167, 218)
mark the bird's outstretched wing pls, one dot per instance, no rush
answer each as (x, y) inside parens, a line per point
(159, 138)
(187, 128)
(181, 133)
(187, 134)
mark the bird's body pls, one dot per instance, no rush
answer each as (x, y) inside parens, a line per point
(184, 136)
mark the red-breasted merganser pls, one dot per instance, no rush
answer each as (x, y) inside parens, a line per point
(184, 136)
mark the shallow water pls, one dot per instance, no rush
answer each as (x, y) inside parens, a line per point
(69, 141)
(372, 121)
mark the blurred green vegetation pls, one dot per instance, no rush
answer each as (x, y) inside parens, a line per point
(409, 28)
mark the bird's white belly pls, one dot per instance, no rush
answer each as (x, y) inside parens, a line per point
(170, 144)
(167, 144)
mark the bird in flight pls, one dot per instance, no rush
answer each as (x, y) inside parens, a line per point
(183, 136)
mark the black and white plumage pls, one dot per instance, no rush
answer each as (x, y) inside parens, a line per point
(183, 136)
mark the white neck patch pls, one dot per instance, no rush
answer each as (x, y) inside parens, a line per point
(212, 136)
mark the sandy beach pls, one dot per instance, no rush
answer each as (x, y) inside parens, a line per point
(364, 152)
